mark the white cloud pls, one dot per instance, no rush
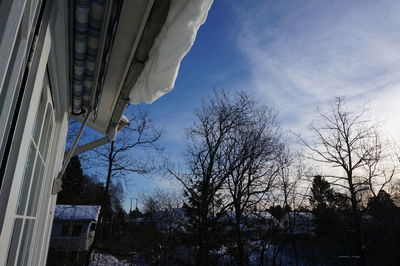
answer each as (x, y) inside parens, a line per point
(301, 55)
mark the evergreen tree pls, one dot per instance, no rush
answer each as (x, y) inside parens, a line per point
(322, 195)
(135, 213)
(278, 212)
(77, 188)
(381, 205)
(383, 230)
(322, 200)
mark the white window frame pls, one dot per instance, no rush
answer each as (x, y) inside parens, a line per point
(53, 55)
(47, 177)
(7, 229)
(18, 18)
(47, 201)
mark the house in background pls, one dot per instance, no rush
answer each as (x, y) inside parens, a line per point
(84, 60)
(73, 227)
(73, 231)
(299, 223)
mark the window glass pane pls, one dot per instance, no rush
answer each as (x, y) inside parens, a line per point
(76, 230)
(25, 20)
(39, 118)
(11, 85)
(48, 138)
(33, 11)
(26, 181)
(14, 241)
(26, 242)
(9, 82)
(65, 230)
(5, 13)
(35, 189)
(45, 131)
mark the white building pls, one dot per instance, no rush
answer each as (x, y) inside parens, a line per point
(83, 60)
(74, 227)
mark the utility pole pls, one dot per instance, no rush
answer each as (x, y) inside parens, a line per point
(130, 209)
(131, 203)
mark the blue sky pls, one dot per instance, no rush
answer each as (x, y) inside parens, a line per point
(293, 55)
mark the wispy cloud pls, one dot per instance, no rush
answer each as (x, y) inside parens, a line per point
(302, 53)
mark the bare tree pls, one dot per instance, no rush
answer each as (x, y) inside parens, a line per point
(381, 165)
(117, 158)
(232, 158)
(289, 193)
(160, 200)
(218, 116)
(164, 210)
(347, 141)
(395, 192)
(292, 183)
(256, 146)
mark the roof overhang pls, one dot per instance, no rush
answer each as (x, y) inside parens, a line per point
(139, 63)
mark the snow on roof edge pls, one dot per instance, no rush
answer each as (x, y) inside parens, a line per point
(77, 212)
(173, 42)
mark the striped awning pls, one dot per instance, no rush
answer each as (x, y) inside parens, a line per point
(88, 21)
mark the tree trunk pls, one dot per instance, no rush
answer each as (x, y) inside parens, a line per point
(356, 220)
(204, 225)
(241, 261)
(202, 253)
(104, 201)
(241, 257)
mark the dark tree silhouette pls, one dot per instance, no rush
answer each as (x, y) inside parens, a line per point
(116, 158)
(206, 158)
(256, 147)
(233, 157)
(322, 195)
(345, 139)
(79, 188)
(326, 216)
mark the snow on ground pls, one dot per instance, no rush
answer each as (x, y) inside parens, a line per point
(101, 259)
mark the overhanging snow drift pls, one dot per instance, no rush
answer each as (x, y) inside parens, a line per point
(173, 42)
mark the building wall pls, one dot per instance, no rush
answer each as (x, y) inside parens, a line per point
(35, 52)
(70, 241)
